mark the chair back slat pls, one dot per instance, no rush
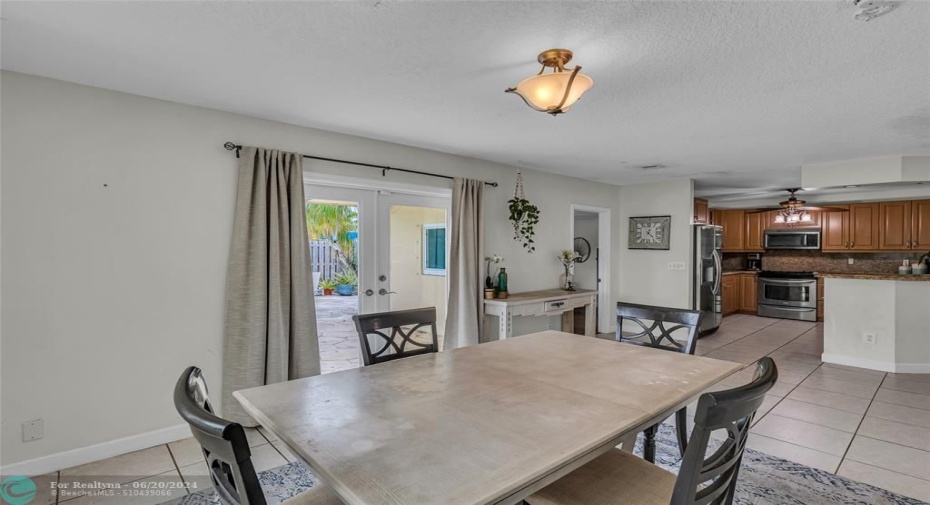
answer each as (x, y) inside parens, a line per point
(654, 326)
(711, 480)
(225, 446)
(399, 342)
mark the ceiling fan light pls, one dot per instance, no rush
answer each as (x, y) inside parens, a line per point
(806, 218)
(779, 218)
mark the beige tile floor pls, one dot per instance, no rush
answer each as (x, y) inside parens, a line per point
(865, 425)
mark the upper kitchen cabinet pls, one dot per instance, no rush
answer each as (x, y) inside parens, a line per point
(733, 229)
(835, 231)
(856, 230)
(904, 225)
(894, 231)
(755, 224)
(701, 211)
(920, 225)
(863, 226)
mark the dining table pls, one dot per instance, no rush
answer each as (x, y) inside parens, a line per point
(490, 423)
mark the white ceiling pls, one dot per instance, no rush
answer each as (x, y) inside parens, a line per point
(735, 94)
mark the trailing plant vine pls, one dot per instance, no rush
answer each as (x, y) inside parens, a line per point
(524, 216)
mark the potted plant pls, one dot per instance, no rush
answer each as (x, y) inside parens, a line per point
(568, 258)
(489, 289)
(328, 285)
(524, 216)
(345, 283)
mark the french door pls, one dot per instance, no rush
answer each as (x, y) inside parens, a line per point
(402, 247)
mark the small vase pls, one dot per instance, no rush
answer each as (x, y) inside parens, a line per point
(502, 283)
(567, 279)
(489, 293)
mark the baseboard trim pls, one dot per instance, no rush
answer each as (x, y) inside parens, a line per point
(876, 365)
(912, 368)
(836, 359)
(96, 452)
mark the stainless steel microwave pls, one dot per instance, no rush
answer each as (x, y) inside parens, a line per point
(792, 239)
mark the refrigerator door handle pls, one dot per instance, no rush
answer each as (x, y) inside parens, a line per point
(718, 272)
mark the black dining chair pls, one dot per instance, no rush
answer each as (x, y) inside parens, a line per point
(378, 346)
(653, 327)
(226, 449)
(619, 477)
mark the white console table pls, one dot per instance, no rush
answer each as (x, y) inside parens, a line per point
(549, 302)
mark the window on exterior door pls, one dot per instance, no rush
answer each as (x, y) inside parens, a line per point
(434, 249)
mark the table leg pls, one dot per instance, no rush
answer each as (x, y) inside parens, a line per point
(629, 442)
(590, 319)
(568, 321)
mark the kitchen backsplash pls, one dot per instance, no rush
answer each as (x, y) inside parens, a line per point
(813, 261)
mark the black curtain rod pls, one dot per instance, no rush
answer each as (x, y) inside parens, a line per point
(384, 168)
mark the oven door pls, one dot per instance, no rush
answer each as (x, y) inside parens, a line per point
(801, 293)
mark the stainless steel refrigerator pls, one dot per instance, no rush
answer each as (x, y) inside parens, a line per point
(707, 285)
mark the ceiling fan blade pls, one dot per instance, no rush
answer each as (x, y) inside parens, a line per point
(756, 211)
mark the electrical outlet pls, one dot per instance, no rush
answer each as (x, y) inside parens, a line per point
(33, 430)
(676, 265)
(868, 338)
(851, 261)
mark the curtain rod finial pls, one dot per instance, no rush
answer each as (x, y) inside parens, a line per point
(230, 146)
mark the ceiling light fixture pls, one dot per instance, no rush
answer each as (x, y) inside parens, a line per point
(555, 92)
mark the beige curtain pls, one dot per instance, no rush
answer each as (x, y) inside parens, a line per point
(465, 315)
(270, 317)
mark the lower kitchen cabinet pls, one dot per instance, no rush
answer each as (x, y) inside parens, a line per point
(740, 293)
(731, 294)
(749, 290)
(820, 298)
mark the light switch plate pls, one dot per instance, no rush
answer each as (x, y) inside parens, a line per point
(851, 261)
(676, 265)
(33, 430)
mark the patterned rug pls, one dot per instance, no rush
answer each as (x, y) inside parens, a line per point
(763, 480)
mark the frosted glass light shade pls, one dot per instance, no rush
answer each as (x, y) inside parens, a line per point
(779, 218)
(544, 92)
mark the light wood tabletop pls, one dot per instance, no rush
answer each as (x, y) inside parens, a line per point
(490, 423)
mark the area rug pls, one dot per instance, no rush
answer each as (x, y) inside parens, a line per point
(763, 480)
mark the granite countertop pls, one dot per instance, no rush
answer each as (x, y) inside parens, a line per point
(737, 272)
(876, 276)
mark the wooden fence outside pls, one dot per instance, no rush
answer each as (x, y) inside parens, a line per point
(323, 259)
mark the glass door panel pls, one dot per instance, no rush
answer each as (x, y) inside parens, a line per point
(414, 254)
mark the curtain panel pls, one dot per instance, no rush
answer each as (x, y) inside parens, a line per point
(270, 327)
(465, 313)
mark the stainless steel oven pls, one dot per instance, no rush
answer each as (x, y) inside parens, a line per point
(790, 295)
(792, 239)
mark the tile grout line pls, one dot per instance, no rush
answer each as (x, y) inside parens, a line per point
(859, 426)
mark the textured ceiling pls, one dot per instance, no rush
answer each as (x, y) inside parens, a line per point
(735, 94)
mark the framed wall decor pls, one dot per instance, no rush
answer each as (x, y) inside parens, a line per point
(650, 232)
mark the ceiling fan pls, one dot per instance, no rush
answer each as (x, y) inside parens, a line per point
(795, 211)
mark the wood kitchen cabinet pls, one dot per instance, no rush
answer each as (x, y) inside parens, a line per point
(749, 291)
(701, 211)
(920, 225)
(731, 294)
(733, 229)
(754, 224)
(904, 225)
(856, 230)
(820, 298)
(894, 230)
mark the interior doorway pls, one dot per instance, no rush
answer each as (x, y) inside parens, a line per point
(373, 250)
(590, 232)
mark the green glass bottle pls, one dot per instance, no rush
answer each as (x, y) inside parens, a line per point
(502, 280)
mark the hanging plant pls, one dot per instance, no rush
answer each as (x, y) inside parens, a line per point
(524, 216)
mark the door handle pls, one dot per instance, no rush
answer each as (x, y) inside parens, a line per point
(383, 291)
(852, 245)
(908, 244)
(369, 292)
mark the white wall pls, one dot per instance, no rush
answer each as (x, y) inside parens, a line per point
(117, 214)
(644, 274)
(895, 311)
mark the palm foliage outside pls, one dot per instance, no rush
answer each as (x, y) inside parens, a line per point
(335, 224)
